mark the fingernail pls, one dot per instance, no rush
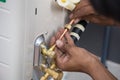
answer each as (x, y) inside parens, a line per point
(59, 43)
(77, 20)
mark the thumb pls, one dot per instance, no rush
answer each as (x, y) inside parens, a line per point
(63, 46)
(59, 43)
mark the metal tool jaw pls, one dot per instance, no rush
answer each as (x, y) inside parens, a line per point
(44, 67)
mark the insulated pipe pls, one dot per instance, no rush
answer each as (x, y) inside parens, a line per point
(77, 30)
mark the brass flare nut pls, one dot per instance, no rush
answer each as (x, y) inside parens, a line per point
(68, 26)
(57, 75)
(51, 54)
(47, 52)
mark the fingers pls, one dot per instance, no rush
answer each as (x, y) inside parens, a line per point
(83, 9)
(65, 48)
(59, 33)
(79, 13)
(59, 43)
(66, 43)
(52, 41)
(82, 4)
(77, 20)
(69, 39)
(61, 60)
(99, 19)
(56, 37)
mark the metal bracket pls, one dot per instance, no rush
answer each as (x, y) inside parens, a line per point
(38, 41)
(37, 57)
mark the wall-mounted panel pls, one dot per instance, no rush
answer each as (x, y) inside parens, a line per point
(41, 16)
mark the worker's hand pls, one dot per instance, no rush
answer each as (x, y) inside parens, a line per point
(70, 57)
(85, 11)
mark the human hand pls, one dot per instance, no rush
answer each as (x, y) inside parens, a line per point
(70, 57)
(85, 11)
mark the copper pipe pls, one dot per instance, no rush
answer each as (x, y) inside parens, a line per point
(63, 34)
(71, 22)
